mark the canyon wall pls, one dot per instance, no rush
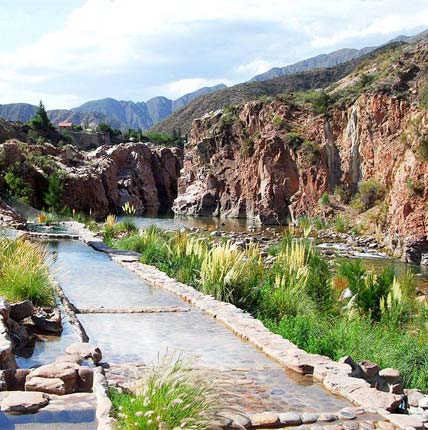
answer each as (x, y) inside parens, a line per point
(272, 161)
(98, 182)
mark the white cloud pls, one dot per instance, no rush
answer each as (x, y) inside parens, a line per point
(128, 48)
(183, 86)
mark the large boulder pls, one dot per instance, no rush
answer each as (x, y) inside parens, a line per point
(4, 309)
(67, 372)
(21, 310)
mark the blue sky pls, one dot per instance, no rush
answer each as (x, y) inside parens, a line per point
(70, 51)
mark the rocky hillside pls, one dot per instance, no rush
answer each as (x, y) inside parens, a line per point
(302, 81)
(364, 139)
(98, 182)
(118, 114)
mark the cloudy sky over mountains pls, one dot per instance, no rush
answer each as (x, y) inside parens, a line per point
(67, 52)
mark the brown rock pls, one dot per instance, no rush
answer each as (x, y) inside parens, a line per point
(21, 310)
(391, 376)
(67, 372)
(4, 309)
(85, 351)
(385, 425)
(48, 320)
(45, 385)
(85, 379)
(22, 402)
(15, 379)
(264, 420)
(369, 369)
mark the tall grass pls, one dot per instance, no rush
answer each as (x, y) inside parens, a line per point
(172, 395)
(302, 298)
(23, 272)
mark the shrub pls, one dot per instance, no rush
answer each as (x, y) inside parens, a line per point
(369, 194)
(16, 186)
(341, 194)
(52, 196)
(23, 272)
(247, 148)
(172, 395)
(325, 199)
(278, 121)
(417, 187)
(423, 95)
(341, 224)
(319, 100)
(228, 273)
(369, 289)
(294, 140)
(310, 151)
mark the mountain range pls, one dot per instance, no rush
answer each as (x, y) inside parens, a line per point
(117, 113)
(162, 113)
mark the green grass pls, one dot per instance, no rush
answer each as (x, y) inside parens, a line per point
(23, 272)
(300, 296)
(172, 395)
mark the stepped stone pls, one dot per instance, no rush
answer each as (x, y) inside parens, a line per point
(309, 418)
(23, 402)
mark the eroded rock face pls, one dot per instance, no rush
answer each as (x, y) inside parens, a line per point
(99, 182)
(272, 161)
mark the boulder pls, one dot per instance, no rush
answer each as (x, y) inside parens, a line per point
(45, 385)
(21, 310)
(369, 369)
(85, 379)
(7, 359)
(85, 351)
(48, 320)
(67, 372)
(23, 402)
(14, 379)
(391, 376)
(4, 309)
(414, 396)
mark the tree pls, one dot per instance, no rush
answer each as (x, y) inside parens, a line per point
(41, 122)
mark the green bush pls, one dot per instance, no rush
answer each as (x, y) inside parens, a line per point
(52, 197)
(325, 199)
(23, 272)
(369, 194)
(294, 140)
(16, 187)
(319, 100)
(173, 395)
(278, 121)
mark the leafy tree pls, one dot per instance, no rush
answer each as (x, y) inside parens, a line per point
(41, 122)
(52, 196)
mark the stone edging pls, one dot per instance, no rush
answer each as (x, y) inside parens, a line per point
(335, 376)
(104, 405)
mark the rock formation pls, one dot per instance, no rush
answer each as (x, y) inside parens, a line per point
(98, 182)
(272, 161)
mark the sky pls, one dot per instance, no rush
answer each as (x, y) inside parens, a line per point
(70, 51)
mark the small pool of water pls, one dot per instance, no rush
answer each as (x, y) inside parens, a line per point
(50, 346)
